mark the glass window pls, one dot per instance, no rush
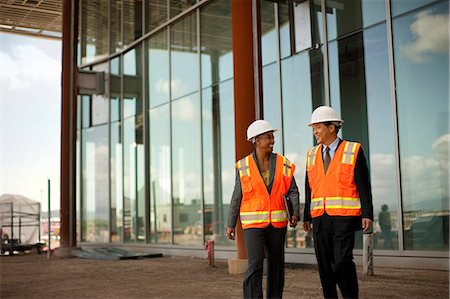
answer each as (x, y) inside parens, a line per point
(348, 87)
(285, 31)
(184, 57)
(160, 175)
(218, 159)
(132, 20)
(381, 138)
(316, 20)
(186, 176)
(227, 152)
(116, 183)
(86, 111)
(402, 6)
(373, 11)
(178, 6)
(133, 144)
(216, 43)
(422, 77)
(298, 103)
(158, 69)
(100, 102)
(268, 32)
(95, 187)
(348, 93)
(115, 23)
(132, 69)
(343, 17)
(156, 13)
(78, 182)
(271, 101)
(94, 30)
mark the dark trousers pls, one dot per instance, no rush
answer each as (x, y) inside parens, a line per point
(257, 240)
(334, 239)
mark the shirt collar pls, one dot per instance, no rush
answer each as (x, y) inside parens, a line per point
(333, 146)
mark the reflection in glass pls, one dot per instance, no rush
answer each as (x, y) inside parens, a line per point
(218, 159)
(422, 77)
(132, 70)
(268, 32)
(348, 87)
(115, 23)
(216, 45)
(158, 69)
(184, 56)
(285, 32)
(271, 101)
(297, 136)
(348, 93)
(132, 20)
(116, 182)
(160, 175)
(373, 11)
(95, 193)
(78, 180)
(178, 6)
(227, 146)
(343, 17)
(186, 176)
(381, 141)
(133, 144)
(114, 89)
(156, 13)
(100, 103)
(316, 20)
(401, 6)
(94, 30)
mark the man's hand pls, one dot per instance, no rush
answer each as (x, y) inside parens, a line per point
(294, 220)
(366, 224)
(307, 226)
(231, 233)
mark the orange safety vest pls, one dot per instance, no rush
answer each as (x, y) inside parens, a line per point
(335, 191)
(258, 208)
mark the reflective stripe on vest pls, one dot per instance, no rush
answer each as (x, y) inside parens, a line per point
(254, 217)
(348, 157)
(287, 167)
(243, 167)
(279, 216)
(311, 160)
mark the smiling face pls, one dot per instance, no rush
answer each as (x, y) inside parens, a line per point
(324, 134)
(265, 142)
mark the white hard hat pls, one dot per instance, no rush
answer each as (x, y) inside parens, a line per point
(259, 127)
(324, 114)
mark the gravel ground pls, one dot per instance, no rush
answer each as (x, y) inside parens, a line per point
(35, 276)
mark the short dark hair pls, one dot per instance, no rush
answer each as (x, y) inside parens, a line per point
(329, 123)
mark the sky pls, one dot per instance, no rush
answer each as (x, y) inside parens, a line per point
(30, 110)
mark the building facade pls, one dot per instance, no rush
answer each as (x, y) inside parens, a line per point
(156, 147)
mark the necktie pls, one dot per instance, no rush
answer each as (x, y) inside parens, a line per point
(327, 160)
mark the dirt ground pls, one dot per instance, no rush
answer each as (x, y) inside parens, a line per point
(35, 276)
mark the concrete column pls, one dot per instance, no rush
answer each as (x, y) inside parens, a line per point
(68, 128)
(247, 94)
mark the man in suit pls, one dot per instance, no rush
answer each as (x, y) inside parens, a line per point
(338, 202)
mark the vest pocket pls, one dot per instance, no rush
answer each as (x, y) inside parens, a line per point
(246, 184)
(346, 174)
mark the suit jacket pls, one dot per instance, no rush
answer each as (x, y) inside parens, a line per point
(362, 182)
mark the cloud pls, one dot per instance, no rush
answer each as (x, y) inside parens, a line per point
(432, 36)
(441, 147)
(21, 68)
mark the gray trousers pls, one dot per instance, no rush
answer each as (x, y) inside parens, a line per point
(259, 242)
